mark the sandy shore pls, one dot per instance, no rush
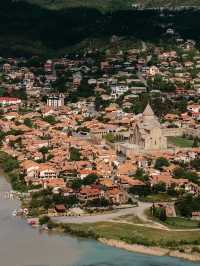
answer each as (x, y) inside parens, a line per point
(154, 251)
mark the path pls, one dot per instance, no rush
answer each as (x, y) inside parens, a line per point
(136, 211)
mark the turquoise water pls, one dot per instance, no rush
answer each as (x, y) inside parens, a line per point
(99, 255)
(21, 245)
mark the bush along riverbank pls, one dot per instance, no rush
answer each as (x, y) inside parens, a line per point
(181, 244)
(10, 167)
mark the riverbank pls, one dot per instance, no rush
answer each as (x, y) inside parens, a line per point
(150, 241)
(153, 251)
(133, 238)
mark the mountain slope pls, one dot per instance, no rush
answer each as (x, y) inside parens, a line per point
(106, 5)
(30, 29)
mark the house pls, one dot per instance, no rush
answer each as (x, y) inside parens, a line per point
(55, 101)
(54, 183)
(89, 193)
(154, 70)
(84, 172)
(47, 171)
(30, 169)
(11, 115)
(116, 195)
(193, 108)
(6, 101)
(60, 208)
(127, 182)
(48, 66)
(168, 207)
(196, 215)
(118, 90)
(127, 168)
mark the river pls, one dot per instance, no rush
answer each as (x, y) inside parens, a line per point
(21, 245)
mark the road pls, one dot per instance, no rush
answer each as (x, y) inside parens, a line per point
(137, 211)
(111, 217)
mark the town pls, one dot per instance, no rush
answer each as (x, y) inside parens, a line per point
(103, 129)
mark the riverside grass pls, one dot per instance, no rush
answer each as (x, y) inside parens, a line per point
(156, 242)
(133, 234)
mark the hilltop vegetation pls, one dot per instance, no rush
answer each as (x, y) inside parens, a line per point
(105, 5)
(28, 29)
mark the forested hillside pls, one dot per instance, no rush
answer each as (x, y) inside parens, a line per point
(106, 5)
(29, 29)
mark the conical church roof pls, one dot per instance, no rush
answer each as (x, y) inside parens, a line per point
(148, 111)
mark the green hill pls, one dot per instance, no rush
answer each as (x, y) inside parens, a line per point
(103, 5)
(106, 5)
(28, 29)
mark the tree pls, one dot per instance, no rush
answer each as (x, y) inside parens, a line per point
(2, 136)
(90, 179)
(162, 215)
(44, 219)
(186, 205)
(110, 137)
(141, 190)
(76, 184)
(28, 122)
(182, 105)
(140, 175)
(160, 163)
(160, 187)
(75, 154)
(195, 164)
(10, 164)
(44, 150)
(50, 119)
(2, 91)
(102, 202)
(180, 172)
(196, 142)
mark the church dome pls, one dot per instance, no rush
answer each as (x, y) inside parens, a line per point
(148, 111)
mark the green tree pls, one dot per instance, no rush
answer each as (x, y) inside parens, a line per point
(160, 163)
(196, 142)
(160, 187)
(75, 154)
(195, 164)
(50, 119)
(140, 175)
(10, 164)
(110, 137)
(90, 179)
(28, 122)
(44, 150)
(141, 190)
(44, 219)
(2, 91)
(76, 184)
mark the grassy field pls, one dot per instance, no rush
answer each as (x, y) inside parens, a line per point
(130, 218)
(134, 234)
(181, 223)
(176, 222)
(160, 197)
(180, 142)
